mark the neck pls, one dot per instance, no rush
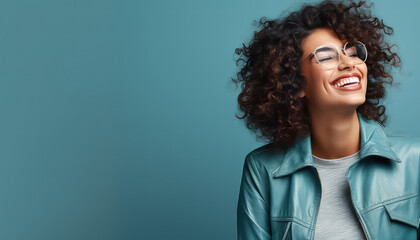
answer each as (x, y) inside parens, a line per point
(335, 135)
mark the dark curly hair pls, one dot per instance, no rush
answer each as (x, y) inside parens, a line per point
(271, 77)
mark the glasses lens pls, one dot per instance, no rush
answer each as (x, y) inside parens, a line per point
(327, 56)
(357, 52)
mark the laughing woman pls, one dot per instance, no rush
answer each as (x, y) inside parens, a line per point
(311, 84)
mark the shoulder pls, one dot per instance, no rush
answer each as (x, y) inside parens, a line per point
(265, 158)
(406, 146)
(400, 139)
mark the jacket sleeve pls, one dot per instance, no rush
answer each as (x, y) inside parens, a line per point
(253, 210)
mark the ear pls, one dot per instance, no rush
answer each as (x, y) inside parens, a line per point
(302, 94)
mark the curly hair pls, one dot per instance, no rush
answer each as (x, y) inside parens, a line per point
(271, 76)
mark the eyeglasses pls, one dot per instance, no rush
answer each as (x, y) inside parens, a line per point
(328, 55)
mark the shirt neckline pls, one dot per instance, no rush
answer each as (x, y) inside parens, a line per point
(336, 162)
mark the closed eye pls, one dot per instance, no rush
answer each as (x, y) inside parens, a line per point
(325, 59)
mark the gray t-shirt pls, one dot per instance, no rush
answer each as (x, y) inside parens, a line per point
(337, 218)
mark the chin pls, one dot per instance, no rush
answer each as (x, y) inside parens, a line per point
(357, 102)
(353, 102)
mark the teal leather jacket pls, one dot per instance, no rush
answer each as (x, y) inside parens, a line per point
(280, 191)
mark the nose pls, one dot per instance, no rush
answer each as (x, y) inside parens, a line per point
(345, 62)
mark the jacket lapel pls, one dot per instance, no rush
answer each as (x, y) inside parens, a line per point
(373, 142)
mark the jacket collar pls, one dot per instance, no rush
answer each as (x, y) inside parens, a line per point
(373, 142)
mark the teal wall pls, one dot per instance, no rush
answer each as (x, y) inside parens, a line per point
(117, 117)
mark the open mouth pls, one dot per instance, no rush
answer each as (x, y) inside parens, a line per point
(346, 82)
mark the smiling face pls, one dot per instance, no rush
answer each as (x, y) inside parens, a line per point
(320, 91)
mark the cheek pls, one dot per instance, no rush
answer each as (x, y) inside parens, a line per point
(313, 80)
(314, 87)
(363, 69)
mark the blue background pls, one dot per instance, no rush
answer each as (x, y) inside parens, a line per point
(117, 117)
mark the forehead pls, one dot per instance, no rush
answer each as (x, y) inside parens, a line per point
(318, 37)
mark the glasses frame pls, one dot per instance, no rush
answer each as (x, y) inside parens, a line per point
(339, 55)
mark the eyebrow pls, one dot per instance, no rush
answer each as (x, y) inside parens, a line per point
(324, 49)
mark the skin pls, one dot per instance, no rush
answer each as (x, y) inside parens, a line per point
(335, 126)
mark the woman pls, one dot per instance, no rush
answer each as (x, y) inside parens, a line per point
(311, 84)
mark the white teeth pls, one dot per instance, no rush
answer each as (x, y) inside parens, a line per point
(346, 81)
